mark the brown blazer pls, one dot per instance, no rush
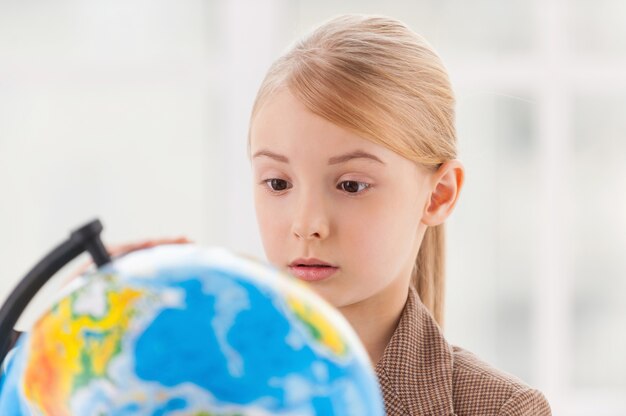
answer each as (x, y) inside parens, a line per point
(421, 374)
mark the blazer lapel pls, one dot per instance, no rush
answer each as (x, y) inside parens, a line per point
(415, 371)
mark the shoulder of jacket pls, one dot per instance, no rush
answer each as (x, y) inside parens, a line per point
(479, 388)
(526, 401)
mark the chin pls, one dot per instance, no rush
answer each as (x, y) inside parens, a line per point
(336, 301)
(322, 293)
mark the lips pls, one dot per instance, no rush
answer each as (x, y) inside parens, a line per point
(312, 269)
(309, 262)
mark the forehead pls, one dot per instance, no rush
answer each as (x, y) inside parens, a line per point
(284, 125)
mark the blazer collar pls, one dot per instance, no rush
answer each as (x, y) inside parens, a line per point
(415, 371)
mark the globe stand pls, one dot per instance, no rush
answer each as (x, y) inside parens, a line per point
(85, 238)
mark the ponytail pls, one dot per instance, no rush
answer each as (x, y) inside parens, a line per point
(428, 277)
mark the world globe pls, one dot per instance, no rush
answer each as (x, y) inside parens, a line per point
(186, 330)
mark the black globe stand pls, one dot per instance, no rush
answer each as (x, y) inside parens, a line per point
(85, 238)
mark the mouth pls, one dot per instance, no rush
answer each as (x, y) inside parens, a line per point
(312, 271)
(310, 262)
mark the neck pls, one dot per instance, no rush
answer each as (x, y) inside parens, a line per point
(375, 319)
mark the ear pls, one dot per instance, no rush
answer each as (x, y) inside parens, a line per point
(446, 183)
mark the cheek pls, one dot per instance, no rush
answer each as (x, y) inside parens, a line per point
(363, 231)
(272, 227)
(378, 237)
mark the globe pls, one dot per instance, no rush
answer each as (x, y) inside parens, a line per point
(187, 330)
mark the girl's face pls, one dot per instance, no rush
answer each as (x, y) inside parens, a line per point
(323, 192)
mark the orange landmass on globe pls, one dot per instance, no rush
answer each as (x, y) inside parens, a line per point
(67, 350)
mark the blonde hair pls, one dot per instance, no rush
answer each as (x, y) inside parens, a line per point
(375, 77)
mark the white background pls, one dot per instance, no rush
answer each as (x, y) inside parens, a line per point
(136, 112)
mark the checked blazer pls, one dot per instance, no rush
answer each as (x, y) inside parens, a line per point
(421, 374)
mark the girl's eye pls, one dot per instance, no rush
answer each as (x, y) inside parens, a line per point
(353, 187)
(276, 185)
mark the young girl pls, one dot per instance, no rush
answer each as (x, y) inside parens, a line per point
(353, 148)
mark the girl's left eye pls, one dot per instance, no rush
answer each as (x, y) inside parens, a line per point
(353, 187)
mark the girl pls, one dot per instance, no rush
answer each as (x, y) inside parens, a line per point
(353, 148)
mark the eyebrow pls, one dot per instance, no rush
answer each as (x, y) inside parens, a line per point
(357, 154)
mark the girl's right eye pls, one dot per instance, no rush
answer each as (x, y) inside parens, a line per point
(276, 185)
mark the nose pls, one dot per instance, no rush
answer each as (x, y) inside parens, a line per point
(310, 219)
